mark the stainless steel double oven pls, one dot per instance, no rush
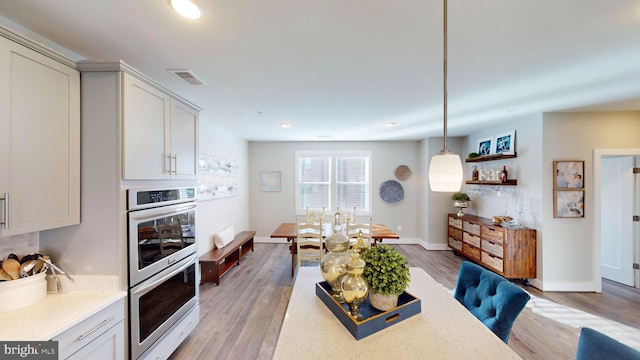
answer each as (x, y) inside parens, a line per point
(163, 267)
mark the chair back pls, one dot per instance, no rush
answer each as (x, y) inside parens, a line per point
(170, 237)
(353, 230)
(489, 297)
(594, 345)
(309, 242)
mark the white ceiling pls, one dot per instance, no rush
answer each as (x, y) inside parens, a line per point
(344, 68)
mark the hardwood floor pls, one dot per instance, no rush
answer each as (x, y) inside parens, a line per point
(241, 318)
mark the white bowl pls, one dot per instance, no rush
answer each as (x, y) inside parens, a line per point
(23, 292)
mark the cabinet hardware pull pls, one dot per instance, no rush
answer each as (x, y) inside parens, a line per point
(169, 157)
(5, 211)
(186, 328)
(81, 337)
(175, 163)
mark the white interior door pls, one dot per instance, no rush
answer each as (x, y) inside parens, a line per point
(618, 194)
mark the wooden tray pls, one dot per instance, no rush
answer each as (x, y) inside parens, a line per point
(374, 319)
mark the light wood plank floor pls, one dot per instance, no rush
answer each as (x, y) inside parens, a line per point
(241, 318)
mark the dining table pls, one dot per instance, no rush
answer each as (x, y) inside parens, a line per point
(443, 329)
(289, 231)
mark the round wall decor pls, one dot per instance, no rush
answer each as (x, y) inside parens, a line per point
(403, 172)
(391, 191)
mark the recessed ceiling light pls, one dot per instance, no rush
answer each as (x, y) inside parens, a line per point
(390, 124)
(187, 8)
(324, 136)
(284, 125)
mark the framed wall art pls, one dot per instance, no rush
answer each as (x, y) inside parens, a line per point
(217, 177)
(568, 174)
(485, 145)
(505, 143)
(568, 203)
(271, 180)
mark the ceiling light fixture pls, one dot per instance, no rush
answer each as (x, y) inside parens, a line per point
(390, 124)
(187, 8)
(285, 125)
(445, 170)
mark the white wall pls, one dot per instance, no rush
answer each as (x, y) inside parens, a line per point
(269, 209)
(215, 215)
(569, 246)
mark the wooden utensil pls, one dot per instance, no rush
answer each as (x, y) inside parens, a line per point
(12, 267)
(4, 276)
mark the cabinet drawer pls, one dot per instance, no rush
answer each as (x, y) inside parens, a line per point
(493, 249)
(88, 330)
(471, 239)
(495, 236)
(471, 228)
(457, 223)
(455, 233)
(493, 262)
(455, 244)
(470, 251)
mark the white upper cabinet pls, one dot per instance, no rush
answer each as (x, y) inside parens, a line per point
(39, 141)
(146, 125)
(184, 141)
(160, 133)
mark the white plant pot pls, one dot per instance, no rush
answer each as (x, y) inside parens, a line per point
(383, 302)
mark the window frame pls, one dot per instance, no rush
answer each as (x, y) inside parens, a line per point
(333, 183)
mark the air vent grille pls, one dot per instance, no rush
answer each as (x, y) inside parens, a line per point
(188, 76)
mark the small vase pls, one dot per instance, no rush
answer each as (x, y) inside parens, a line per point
(382, 302)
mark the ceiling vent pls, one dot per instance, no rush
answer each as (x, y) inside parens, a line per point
(187, 76)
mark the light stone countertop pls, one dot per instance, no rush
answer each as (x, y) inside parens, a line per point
(444, 329)
(59, 312)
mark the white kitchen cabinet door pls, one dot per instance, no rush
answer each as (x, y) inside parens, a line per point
(184, 141)
(146, 135)
(40, 141)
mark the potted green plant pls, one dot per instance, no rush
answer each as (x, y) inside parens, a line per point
(461, 201)
(386, 271)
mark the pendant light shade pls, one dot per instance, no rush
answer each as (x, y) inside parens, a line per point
(445, 170)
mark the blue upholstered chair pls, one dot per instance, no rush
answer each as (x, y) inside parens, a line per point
(490, 297)
(594, 345)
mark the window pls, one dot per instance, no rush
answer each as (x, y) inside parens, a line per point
(331, 180)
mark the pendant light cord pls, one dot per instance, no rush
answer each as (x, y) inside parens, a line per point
(444, 82)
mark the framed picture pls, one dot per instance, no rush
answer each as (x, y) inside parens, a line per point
(485, 145)
(271, 181)
(568, 203)
(505, 143)
(568, 174)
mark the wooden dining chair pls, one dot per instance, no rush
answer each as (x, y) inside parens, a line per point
(170, 236)
(309, 242)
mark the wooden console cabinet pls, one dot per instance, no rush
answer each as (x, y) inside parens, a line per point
(508, 251)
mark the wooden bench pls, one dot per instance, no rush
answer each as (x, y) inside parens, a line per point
(217, 262)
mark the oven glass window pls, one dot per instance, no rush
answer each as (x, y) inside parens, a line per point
(156, 306)
(162, 237)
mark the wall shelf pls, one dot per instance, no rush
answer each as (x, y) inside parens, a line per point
(491, 157)
(510, 182)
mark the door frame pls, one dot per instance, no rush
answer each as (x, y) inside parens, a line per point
(598, 154)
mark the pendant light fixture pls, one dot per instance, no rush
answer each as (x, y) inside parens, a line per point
(445, 170)
(187, 8)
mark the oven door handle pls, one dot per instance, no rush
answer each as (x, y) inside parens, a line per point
(150, 214)
(146, 287)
